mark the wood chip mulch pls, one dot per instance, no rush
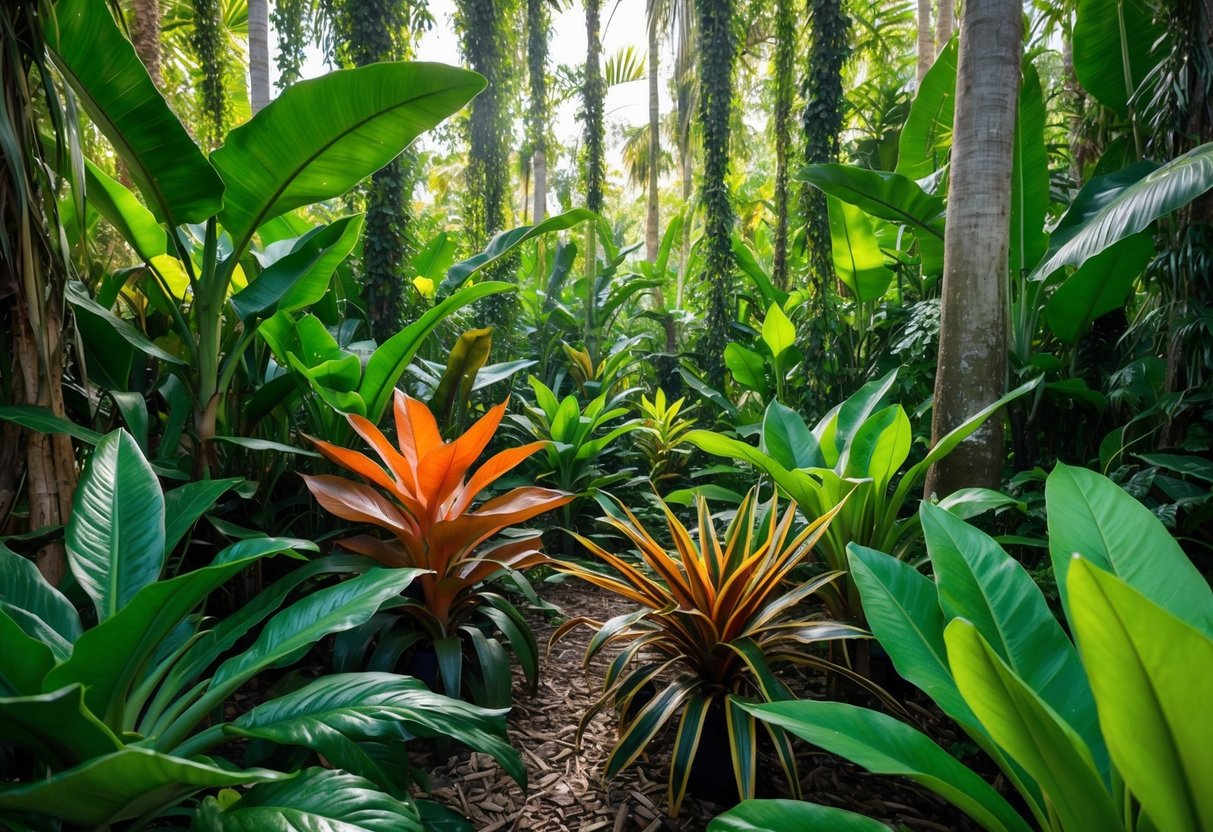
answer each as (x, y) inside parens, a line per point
(566, 790)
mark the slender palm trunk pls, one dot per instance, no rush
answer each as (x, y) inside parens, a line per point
(145, 34)
(653, 217)
(537, 51)
(972, 365)
(259, 53)
(684, 266)
(785, 48)
(926, 43)
(944, 22)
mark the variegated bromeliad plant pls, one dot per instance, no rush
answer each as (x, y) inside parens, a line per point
(425, 495)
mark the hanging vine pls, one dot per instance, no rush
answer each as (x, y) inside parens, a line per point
(292, 21)
(717, 51)
(593, 99)
(823, 121)
(207, 43)
(364, 32)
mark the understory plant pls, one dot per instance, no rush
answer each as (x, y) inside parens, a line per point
(850, 461)
(428, 509)
(716, 616)
(1102, 732)
(119, 720)
(662, 437)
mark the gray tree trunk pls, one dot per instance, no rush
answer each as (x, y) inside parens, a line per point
(972, 365)
(540, 162)
(926, 43)
(944, 22)
(145, 34)
(258, 53)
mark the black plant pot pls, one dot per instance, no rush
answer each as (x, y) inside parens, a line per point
(711, 776)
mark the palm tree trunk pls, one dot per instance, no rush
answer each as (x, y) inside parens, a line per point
(259, 53)
(145, 34)
(972, 366)
(593, 98)
(537, 50)
(926, 43)
(684, 265)
(653, 217)
(944, 23)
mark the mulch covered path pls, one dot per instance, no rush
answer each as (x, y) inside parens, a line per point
(566, 787)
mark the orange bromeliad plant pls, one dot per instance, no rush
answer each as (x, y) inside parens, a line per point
(428, 510)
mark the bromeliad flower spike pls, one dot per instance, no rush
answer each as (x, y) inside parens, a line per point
(429, 510)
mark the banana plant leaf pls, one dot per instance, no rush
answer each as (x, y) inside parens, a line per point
(468, 355)
(1099, 286)
(783, 815)
(1116, 45)
(926, 137)
(111, 83)
(369, 114)
(1029, 176)
(858, 260)
(1123, 208)
(115, 538)
(124, 785)
(22, 586)
(57, 727)
(317, 800)
(1151, 672)
(27, 656)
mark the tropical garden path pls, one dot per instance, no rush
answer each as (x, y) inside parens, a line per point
(566, 787)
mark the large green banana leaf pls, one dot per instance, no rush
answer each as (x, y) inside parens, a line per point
(1029, 176)
(1126, 205)
(101, 66)
(124, 785)
(57, 727)
(884, 745)
(926, 137)
(1097, 287)
(115, 538)
(784, 815)
(1152, 674)
(336, 714)
(318, 800)
(1093, 517)
(1116, 44)
(26, 658)
(323, 136)
(1031, 732)
(22, 586)
(982, 584)
(858, 259)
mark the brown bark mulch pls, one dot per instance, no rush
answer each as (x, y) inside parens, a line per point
(566, 790)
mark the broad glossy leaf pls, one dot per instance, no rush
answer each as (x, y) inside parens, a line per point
(435, 257)
(982, 584)
(26, 659)
(343, 127)
(77, 295)
(1029, 176)
(1030, 731)
(1153, 678)
(394, 355)
(56, 727)
(186, 503)
(972, 502)
(111, 83)
(901, 606)
(1132, 208)
(889, 196)
(329, 610)
(121, 786)
(1099, 286)
(317, 800)
(1116, 46)
(108, 657)
(42, 420)
(301, 277)
(336, 713)
(115, 537)
(784, 815)
(858, 260)
(777, 331)
(879, 448)
(22, 585)
(133, 222)
(884, 745)
(853, 413)
(507, 241)
(926, 137)
(468, 355)
(1091, 516)
(787, 439)
(749, 368)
